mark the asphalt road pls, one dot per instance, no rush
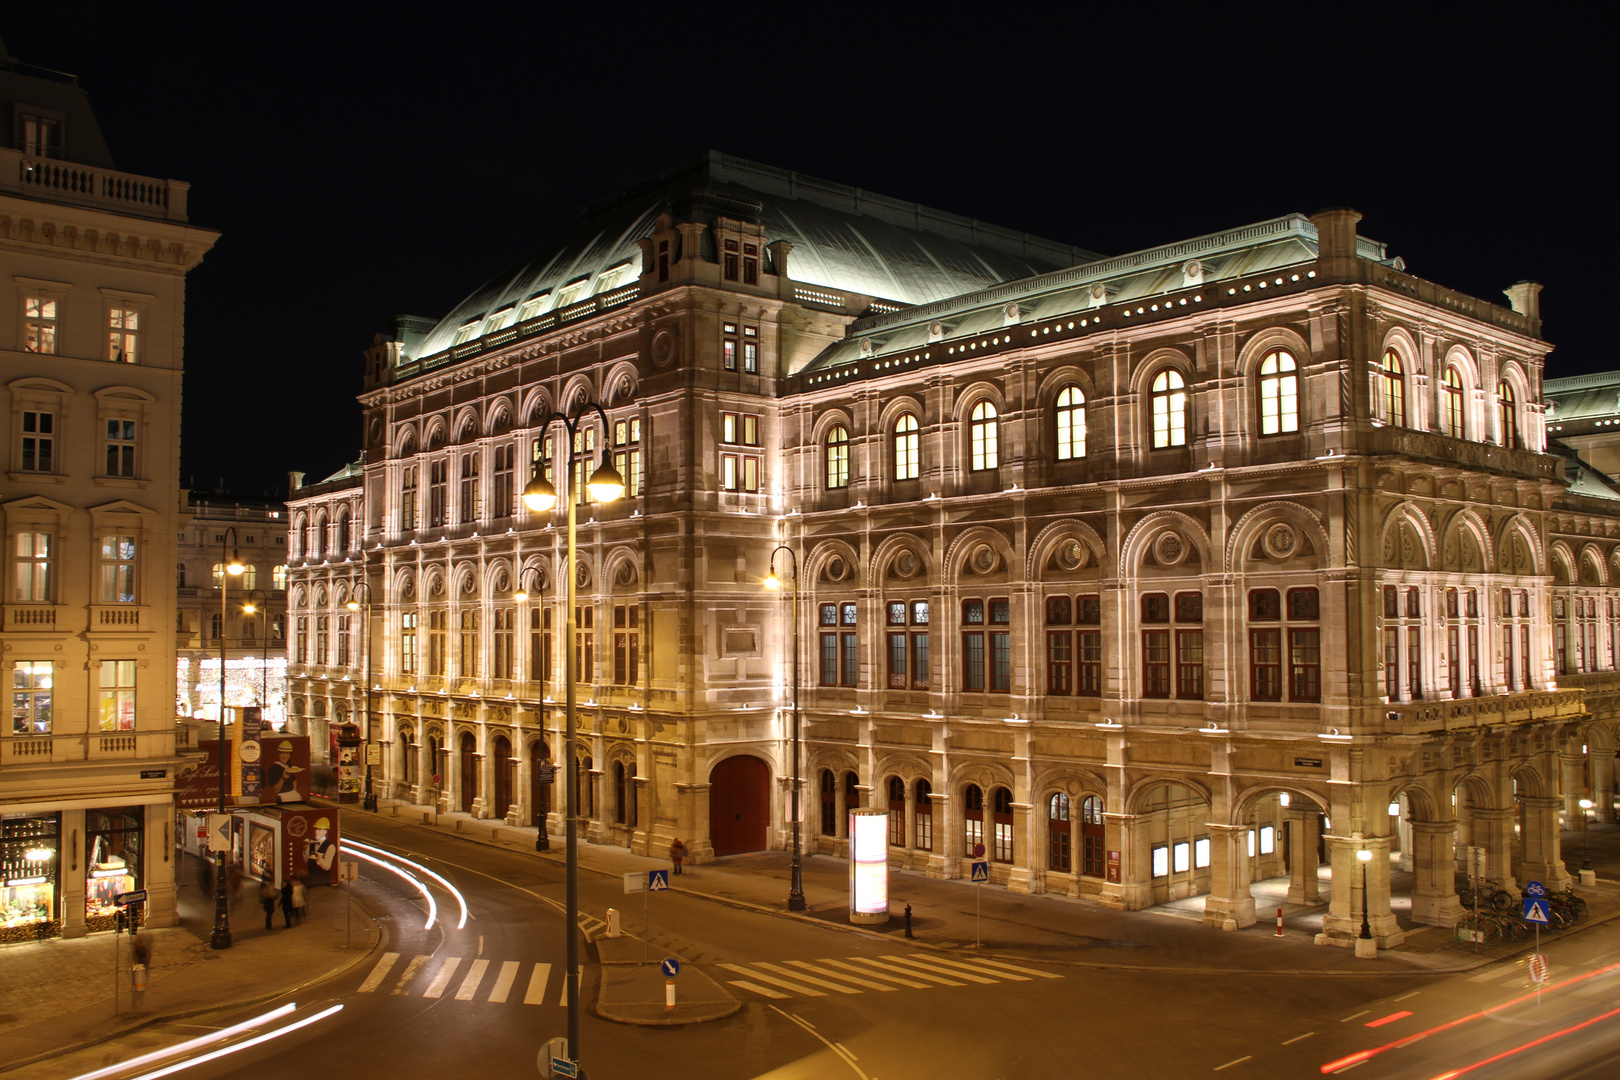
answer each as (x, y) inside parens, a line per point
(825, 1004)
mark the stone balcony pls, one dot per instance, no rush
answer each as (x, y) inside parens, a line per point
(83, 185)
(1462, 714)
(62, 749)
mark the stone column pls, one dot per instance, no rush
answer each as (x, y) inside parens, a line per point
(1018, 877)
(909, 827)
(1230, 904)
(1343, 923)
(70, 874)
(1304, 883)
(1573, 778)
(1493, 831)
(1136, 859)
(1434, 873)
(523, 786)
(1543, 856)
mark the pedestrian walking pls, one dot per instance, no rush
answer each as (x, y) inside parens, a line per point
(267, 900)
(287, 903)
(300, 898)
(677, 853)
(233, 885)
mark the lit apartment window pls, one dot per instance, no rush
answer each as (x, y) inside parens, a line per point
(31, 698)
(1279, 393)
(905, 448)
(117, 569)
(278, 578)
(838, 457)
(38, 441)
(118, 695)
(1169, 399)
(123, 335)
(1071, 424)
(33, 569)
(627, 454)
(39, 324)
(983, 437)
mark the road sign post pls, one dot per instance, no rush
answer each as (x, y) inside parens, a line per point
(671, 967)
(981, 876)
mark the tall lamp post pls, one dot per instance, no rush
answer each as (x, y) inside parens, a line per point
(1586, 832)
(605, 485)
(261, 606)
(796, 881)
(1366, 857)
(370, 800)
(542, 838)
(231, 565)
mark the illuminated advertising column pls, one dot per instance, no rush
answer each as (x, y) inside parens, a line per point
(868, 866)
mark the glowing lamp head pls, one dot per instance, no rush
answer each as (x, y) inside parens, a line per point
(539, 495)
(353, 605)
(235, 567)
(772, 581)
(605, 484)
(521, 595)
(1587, 804)
(1364, 855)
(249, 608)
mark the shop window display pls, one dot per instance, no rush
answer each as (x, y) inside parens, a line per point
(29, 849)
(112, 861)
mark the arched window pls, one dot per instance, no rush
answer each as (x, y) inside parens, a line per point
(1508, 414)
(250, 577)
(278, 578)
(1169, 397)
(1057, 831)
(1279, 393)
(897, 812)
(319, 538)
(829, 803)
(838, 457)
(1389, 387)
(1092, 836)
(985, 451)
(1451, 408)
(219, 575)
(1071, 424)
(924, 836)
(972, 818)
(905, 448)
(1001, 807)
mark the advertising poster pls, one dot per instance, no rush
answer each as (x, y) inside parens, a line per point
(283, 769)
(311, 849)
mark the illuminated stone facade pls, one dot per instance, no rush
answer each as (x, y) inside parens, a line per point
(1156, 575)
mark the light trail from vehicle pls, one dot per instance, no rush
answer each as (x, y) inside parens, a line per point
(427, 894)
(214, 1055)
(1454, 1073)
(189, 1045)
(451, 889)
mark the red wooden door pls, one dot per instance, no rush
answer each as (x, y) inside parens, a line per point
(739, 805)
(469, 773)
(503, 775)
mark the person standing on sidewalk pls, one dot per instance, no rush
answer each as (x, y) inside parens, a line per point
(677, 853)
(300, 898)
(267, 900)
(287, 903)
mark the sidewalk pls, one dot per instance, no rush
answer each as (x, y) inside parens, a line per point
(58, 994)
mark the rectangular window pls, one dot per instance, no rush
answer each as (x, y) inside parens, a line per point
(1414, 662)
(39, 325)
(1201, 852)
(502, 641)
(123, 335)
(301, 643)
(1413, 606)
(1453, 661)
(1265, 665)
(626, 644)
(1473, 660)
(1190, 664)
(585, 644)
(407, 497)
(973, 645)
(41, 136)
(438, 491)
(117, 570)
(467, 657)
(1060, 662)
(1392, 665)
(33, 577)
(438, 645)
(407, 643)
(38, 442)
(504, 497)
(1088, 644)
(118, 695)
(1304, 664)
(1392, 608)
(1156, 663)
(1508, 669)
(1268, 839)
(120, 448)
(31, 698)
(343, 635)
(469, 488)
(1524, 656)
(1161, 860)
(1182, 853)
(322, 639)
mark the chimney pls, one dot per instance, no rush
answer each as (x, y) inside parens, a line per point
(1335, 233)
(1525, 296)
(295, 480)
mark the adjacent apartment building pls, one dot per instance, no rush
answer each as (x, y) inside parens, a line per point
(1138, 578)
(94, 267)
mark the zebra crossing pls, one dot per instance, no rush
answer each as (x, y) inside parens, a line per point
(881, 974)
(430, 977)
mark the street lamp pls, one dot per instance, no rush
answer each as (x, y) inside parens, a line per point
(231, 564)
(370, 801)
(1586, 832)
(1366, 929)
(605, 485)
(248, 608)
(796, 880)
(542, 838)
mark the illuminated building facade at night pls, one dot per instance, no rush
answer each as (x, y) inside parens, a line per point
(1156, 574)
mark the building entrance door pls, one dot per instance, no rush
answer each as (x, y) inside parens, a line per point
(539, 794)
(739, 805)
(503, 775)
(469, 772)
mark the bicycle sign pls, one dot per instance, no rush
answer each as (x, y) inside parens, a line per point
(1535, 888)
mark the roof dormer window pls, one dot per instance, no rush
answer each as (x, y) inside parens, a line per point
(39, 136)
(570, 293)
(533, 306)
(468, 331)
(499, 319)
(611, 278)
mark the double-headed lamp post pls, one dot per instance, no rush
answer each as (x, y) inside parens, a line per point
(231, 564)
(355, 604)
(796, 881)
(542, 839)
(261, 607)
(605, 485)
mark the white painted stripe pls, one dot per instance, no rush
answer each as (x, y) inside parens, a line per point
(924, 965)
(1239, 1061)
(1014, 967)
(469, 985)
(888, 962)
(410, 972)
(503, 981)
(977, 970)
(379, 973)
(442, 979)
(1297, 1038)
(746, 985)
(1353, 1016)
(1413, 994)
(773, 980)
(880, 975)
(536, 993)
(840, 975)
(811, 979)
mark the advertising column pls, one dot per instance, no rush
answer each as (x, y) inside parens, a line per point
(868, 866)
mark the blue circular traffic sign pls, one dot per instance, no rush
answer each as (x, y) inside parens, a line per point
(1535, 888)
(671, 967)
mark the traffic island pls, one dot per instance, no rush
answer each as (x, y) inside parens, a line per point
(633, 990)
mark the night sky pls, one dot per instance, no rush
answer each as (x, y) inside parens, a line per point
(367, 165)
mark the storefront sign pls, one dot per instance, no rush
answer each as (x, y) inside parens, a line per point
(1308, 762)
(154, 774)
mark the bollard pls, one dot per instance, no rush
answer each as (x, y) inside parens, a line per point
(613, 922)
(1279, 922)
(908, 920)
(137, 987)
(669, 995)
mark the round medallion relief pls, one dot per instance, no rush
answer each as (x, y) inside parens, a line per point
(1281, 541)
(983, 559)
(1169, 548)
(905, 564)
(1071, 555)
(663, 348)
(835, 569)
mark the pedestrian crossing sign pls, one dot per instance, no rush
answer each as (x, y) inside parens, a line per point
(981, 871)
(1535, 911)
(657, 880)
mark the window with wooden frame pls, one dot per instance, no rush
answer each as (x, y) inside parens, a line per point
(1001, 808)
(1294, 639)
(837, 448)
(626, 644)
(906, 629)
(1070, 410)
(840, 644)
(627, 454)
(906, 445)
(739, 466)
(1279, 393)
(1389, 390)
(923, 840)
(1168, 401)
(972, 818)
(1451, 403)
(1092, 836)
(1507, 411)
(987, 645)
(1058, 850)
(585, 642)
(984, 438)
(897, 812)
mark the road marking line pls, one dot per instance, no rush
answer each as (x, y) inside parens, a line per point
(1296, 1038)
(773, 980)
(562, 991)
(811, 979)
(442, 979)
(503, 981)
(924, 965)
(978, 970)
(746, 985)
(1239, 1061)
(480, 944)
(888, 962)
(880, 975)
(839, 975)
(845, 1051)
(469, 985)
(1352, 1016)
(536, 993)
(410, 973)
(1015, 967)
(837, 1048)
(379, 973)
(1413, 994)
(1390, 1019)
(1494, 973)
